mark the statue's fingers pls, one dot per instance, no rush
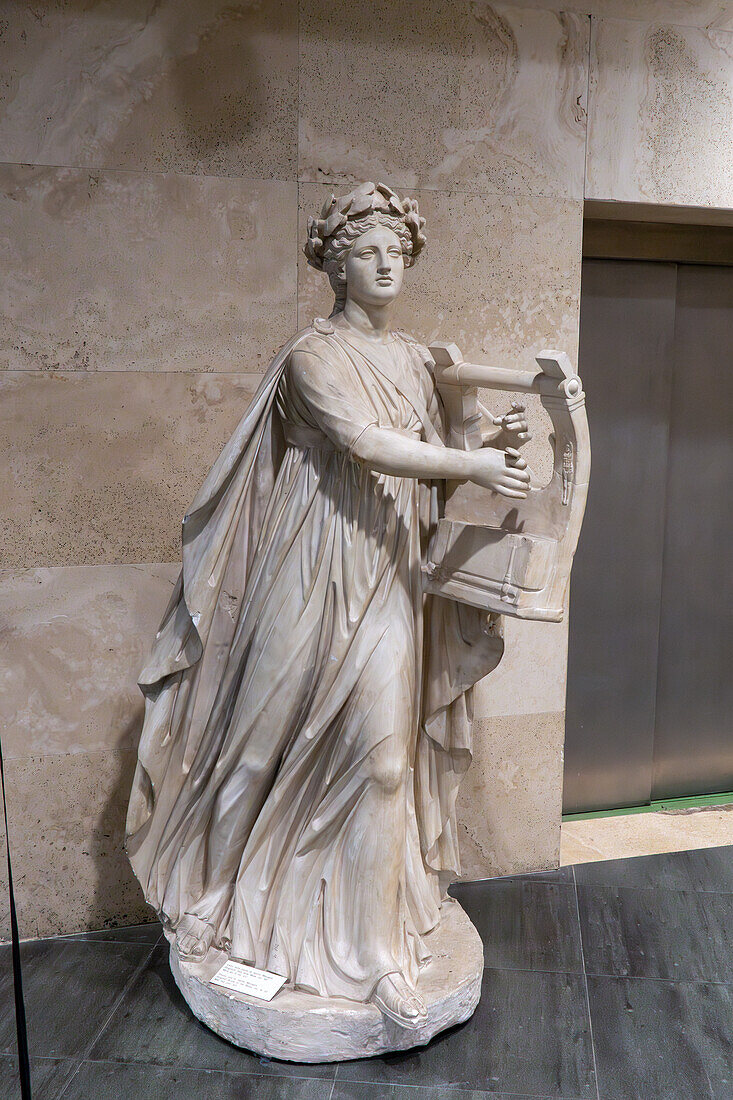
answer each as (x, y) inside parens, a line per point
(514, 460)
(521, 481)
(517, 425)
(518, 494)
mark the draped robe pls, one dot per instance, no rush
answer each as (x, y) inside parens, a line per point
(307, 707)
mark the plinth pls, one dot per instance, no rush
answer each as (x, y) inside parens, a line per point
(302, 1027)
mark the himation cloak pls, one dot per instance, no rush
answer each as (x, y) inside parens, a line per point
(308, 708)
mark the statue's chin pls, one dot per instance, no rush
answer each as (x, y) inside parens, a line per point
(377, 295)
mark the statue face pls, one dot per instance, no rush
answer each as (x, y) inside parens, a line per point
(375, 267)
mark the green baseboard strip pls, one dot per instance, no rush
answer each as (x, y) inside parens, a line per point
(693, 802)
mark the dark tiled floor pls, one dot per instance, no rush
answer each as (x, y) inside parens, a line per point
(138, 933)
(530, 1034)
(613, 982)
(154, 1026)
(48, 1075)
(706, 870)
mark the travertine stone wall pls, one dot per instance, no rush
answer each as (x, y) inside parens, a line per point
(157, 162)
(148, 204)
(707, 14)
(661, 119)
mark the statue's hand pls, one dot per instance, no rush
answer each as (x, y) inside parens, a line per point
(513, 428)
(503, 471)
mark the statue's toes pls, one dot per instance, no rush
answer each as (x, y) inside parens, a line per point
(395, 999)
(191, 947)
(194, 946)
(185, 944)
(412, 1007)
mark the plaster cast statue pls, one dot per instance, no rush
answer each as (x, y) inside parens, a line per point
(308, 696)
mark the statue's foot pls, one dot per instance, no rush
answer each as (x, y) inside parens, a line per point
(393, 996)
(194, 937)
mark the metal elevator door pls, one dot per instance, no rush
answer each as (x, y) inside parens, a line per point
(650, 666)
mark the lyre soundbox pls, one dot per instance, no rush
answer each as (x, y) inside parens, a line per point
(506, 555)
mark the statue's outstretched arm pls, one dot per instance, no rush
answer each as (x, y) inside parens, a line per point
(389, 452)
(330, 396)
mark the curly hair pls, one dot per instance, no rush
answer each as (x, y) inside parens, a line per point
(344, 219)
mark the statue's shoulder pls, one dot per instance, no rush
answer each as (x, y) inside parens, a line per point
(315, 337)
(313, 344)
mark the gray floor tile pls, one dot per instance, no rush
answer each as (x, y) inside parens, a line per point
(154, 1024)
(70, 988)
(527, 924)
(657, 933)
(530, 1034)
(48, 1077)
(136, 933)
(661, 1040)
(105, 1081)
(711, 869)
(361, 1090)
(707, 869)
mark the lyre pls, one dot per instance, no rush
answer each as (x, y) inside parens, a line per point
(511, 556)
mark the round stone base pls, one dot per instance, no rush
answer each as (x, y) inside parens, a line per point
(301, 1027)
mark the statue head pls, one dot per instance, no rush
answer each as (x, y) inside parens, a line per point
(379, 221)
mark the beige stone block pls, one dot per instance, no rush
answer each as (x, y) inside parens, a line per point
(66, 818)
(531, 677)
(131, 271)
(208, 87)
(510, 803)
(101, 467)
(691, 13)
(72, 642)
(473, 96)
(661, 114)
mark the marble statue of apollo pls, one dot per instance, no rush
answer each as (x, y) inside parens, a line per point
(308, 705)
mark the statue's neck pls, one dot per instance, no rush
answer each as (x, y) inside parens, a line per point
(369, 321)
